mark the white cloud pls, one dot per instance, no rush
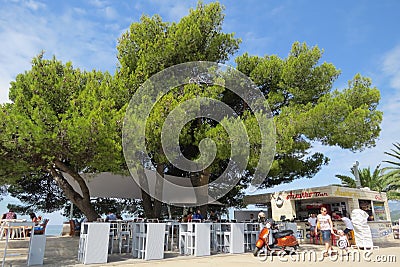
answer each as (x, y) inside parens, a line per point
(277, 11)
(70, 35)
(79, 11)
(171, 10)
(177, 11)
(391, 67)
(98, 3)
(104, 9)
(110, 13)
(34, 5)
(22, 38)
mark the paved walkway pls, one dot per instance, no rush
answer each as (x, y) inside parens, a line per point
(308, 255)
(62, 251)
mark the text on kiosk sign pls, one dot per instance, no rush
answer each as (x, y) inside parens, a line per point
(306, 195)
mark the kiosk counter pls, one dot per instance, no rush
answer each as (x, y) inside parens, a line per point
(298, 205)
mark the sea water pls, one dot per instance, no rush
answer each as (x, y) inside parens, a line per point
(53, 230)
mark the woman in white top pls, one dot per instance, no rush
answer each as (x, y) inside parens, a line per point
(326, 226)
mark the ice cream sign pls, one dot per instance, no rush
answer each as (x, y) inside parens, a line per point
(304, 195)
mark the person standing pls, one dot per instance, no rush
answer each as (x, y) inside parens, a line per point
(312, 222)
(326, 227)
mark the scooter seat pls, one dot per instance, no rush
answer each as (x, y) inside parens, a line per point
(283, 233)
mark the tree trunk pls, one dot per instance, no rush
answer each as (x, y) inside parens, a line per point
(159, 190)
(147, 205)
(82, 202)
(146, 198)
(202, 194)
(152, 206)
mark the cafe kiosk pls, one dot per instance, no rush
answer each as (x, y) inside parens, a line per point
(297, 205)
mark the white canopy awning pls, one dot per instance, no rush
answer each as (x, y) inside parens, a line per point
(109, 185)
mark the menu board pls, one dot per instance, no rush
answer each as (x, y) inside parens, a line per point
(366, 206)
(379, 210)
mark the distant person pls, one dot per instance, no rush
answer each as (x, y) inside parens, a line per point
(251, 217)
(348, 224)
(34, 219)
(335, 216)
(78, 223)
(312, 222)
(189, 216)
(213, 216)
(111, 217)
(197, 216)
(262, 220)
(10, 215)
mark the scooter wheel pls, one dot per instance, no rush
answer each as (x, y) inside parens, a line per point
(255, 251)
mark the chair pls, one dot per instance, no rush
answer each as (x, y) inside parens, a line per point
(74, 230)
(112, 235)
(124, 236)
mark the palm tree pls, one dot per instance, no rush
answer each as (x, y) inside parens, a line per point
(382, 180)
(391, 175)
(367, 179)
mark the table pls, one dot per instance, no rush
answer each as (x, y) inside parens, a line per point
(11, 225)
(121, 232)
(12, 231)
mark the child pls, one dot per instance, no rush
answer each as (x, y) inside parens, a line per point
(342, 242)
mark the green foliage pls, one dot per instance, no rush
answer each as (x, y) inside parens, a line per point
(347, 180)
(306, 109)
(395, 215)
(392, 173)
(372, 180)
(152, 45)
(378, 180)
(37, 191)
(60, 115)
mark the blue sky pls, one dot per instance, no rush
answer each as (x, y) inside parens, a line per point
(357, 37)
